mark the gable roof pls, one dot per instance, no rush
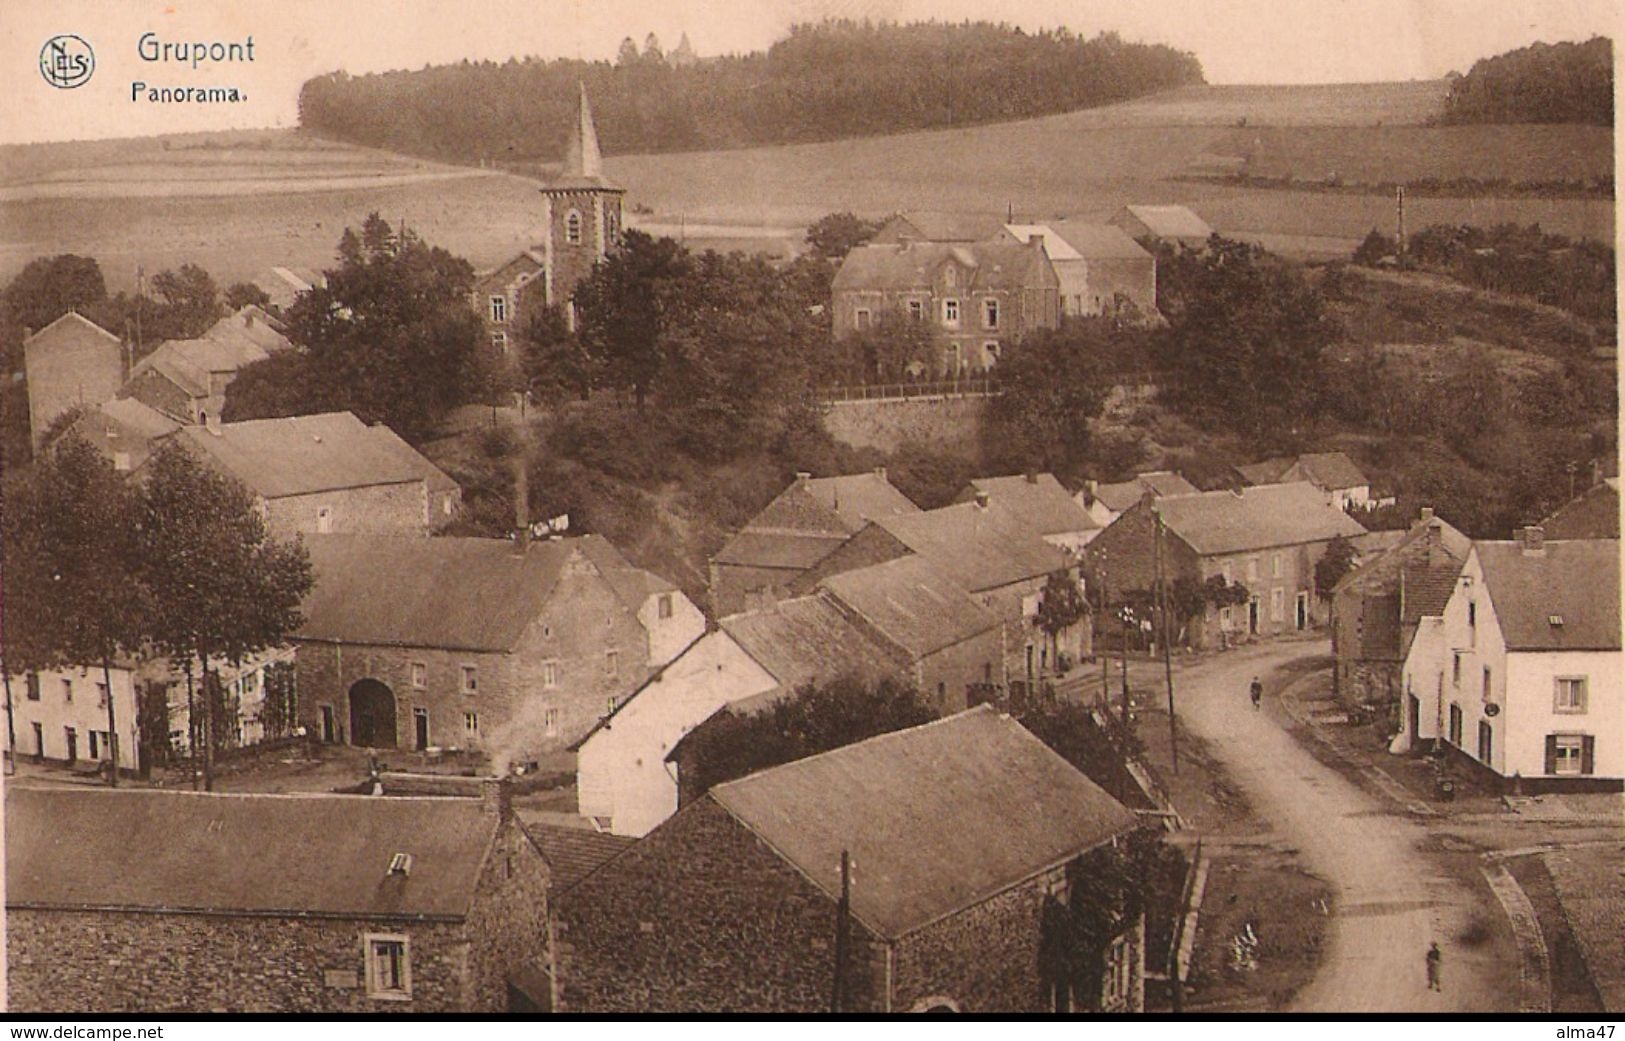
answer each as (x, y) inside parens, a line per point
(785, 551)
(1593, 515)
(412, 591)
(1124, 494)
(297, 455)
(1171, 222)
(940, 226)
(571, 852)
(67, 324)
(1259, 517)
(912, 603)
(138, 417)
(250, 854)
(633, 585)
(808, 640)
(1100, 241)
(978, 547)
(1329, 470)
(250, 325)
(811, 518)
(860, 498)
(1040, 502)
(1427, 588)
(992, 265)
(1055, 247)
(1576, 580)
(938, 817)
(394, 444)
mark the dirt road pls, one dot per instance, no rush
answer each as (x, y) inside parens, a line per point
(1391, 898)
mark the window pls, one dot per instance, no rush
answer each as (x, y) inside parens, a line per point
(572, 228)
(31, 681)
(389, 967)
(499, 309)
(420, 675)
(1275, 565)
(1119, 973)
(1566, 754)
(550, 721)
(663, 605)
(1224, 570)
(612, 225)
(1455, 724)
(499, 342)
(1571, 695)
(1252, 569)
(990, 314)
(324, 520)
(916, 310)
(471, 680)
(862, 318)
(1488, 685)
(1225, 615)
(1472, 623)
(1486, 741)
(121, 460)
(471, 723)
(950, 312)
(992, 349)
(612, 662)
(101, 695)
(1455, 668)
(550, 674)
(95, 744)
(67, 689)
(1277, 604)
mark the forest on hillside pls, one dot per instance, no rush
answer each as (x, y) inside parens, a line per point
(1541, 83)
(828, 80)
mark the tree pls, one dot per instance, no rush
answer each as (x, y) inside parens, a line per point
(894, 349)
(244, 294)
(1337, 561)
(622, 308)
(834, 235)
(222, 587)
(1060, 607)
(627, 56)
(189, 304)
(553, 361)
(1052, 389)
(49, 287)
(73, 518)
(817, 718)
(1374, 248)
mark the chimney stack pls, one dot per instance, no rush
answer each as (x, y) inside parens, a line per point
(880, 472)
(211, 422)
(1036, 242)
(1032, 476)
(1426, 517)
(1534, 539)
(802, 477)
(981, 500)
(496, 797)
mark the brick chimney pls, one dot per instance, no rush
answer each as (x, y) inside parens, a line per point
(802, 477)
(1533, 538)
(981, 500)
(1036, 242)
(496, 797)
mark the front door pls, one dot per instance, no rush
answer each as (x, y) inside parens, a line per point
(328, 730)
(372, 715)
(73, 743)
(1415, 706)
(420, 729)
(1303, 611)
(1252, 616)
(39, 740)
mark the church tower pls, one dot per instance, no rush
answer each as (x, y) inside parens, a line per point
(582, 213)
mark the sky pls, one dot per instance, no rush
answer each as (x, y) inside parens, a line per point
(1237, 41)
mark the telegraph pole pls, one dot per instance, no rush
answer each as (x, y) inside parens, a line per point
(1167, 654)
(843, 928)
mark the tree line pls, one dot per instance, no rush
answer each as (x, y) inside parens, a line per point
(824, 81)
(1541, 83)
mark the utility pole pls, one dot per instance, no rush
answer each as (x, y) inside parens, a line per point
(11, 727)
(1167, 653)
(843, 926)
(1399, 202)
(1100, 637)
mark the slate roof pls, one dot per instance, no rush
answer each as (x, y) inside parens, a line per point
(1259, 517)
(252, 325)
(176, 369)
(1041, 503)
(1171, 222)
(1593, 515)
(573, 853)
(992, 265)
(979, 548)
(1055, 247)
(633, 585)
(941, 226)
(790, 552)
(1328, 470)
(938, 818)
(1124, 494)
(409, 591)
(1100, 241)
(252, 854)
(809, 640)
(437, 479)
(1427, 588)
(913, 603)
(860, 498)
(1576, 580)
(297, 455)
(811, 518)
(69, 322)
(138, 417)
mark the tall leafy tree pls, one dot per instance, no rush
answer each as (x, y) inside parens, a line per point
(623, 308)
(834, 235)
(1053, 387)
(222, 587)
(189, 302)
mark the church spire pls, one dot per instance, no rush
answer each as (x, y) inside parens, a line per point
(582, 159)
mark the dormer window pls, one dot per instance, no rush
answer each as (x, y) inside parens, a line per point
(400, 864)
(1555, 620)
(572, 228)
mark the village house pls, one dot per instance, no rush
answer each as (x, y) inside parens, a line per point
(1376, 608)
(1334, 473)
(283, 284)
(938, 226)
(60, 715)
(465, 643)
(805, 523)
(1174, 225)
(1101, 270)
(71, 363)
(1521, 673)
(1266, 539)
(142, 901)
(1107, 502)
(507, 295)
(328, 473)
(1042, 503)
(977, 297)
(732, 904)
(1593, 515)
(123, 430)
(252, 324)
(186, 380)
(992, 553)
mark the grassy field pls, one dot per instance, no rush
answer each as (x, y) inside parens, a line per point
(238, 203)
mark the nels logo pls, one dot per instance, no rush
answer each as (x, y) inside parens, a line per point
(66, 61)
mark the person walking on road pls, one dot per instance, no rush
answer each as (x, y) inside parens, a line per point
(1257, 691)
(1434, 958)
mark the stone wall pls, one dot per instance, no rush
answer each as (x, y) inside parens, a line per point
(327, 671)
(380, 509)
(129, 962)
(701, 916)
(71, 364)
(985, 958)
(509, 923)
(941, 424)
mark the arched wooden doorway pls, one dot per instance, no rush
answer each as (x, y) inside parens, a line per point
(372, 715)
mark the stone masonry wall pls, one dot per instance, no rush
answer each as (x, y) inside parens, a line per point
(385, 509)
(126, 962)
(327, 671)
(985, 957)
(508, 925)
(702, 917)
(946, 425)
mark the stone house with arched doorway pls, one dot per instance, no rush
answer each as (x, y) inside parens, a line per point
(477, 644)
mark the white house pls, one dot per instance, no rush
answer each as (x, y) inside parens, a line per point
(60, 715)
(621, 769)
(1522, 672)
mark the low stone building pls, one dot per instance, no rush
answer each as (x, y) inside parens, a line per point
(1102, 270)
(140, 901)
(1107, 502)
(1334, 473)
(734, 904)
(123, 430)
(71, 363)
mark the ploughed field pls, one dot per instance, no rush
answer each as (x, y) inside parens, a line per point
(239, 202)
